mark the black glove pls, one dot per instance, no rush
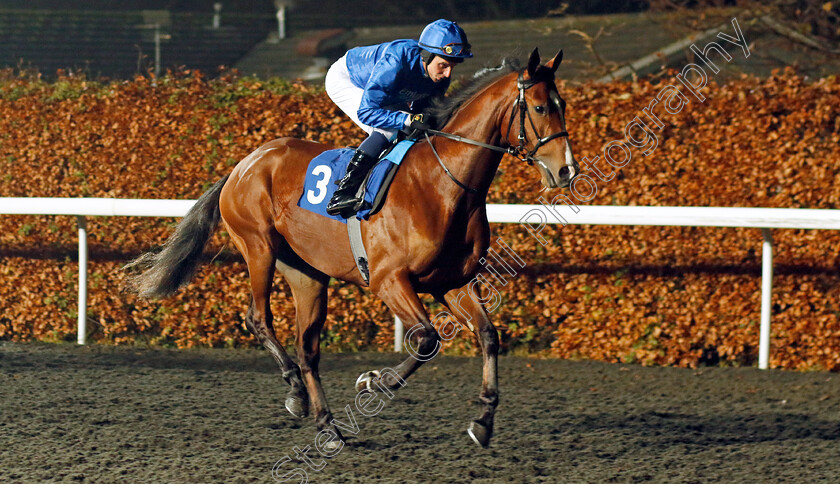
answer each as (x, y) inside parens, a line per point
(420, 121)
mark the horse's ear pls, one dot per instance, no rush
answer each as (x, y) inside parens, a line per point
(534, 62)
(553, 64)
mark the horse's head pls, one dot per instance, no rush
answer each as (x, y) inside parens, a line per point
(536, 124)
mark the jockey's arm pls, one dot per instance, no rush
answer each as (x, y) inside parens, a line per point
(421, 104)
(379, 88)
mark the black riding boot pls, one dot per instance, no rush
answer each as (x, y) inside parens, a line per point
(344, 199)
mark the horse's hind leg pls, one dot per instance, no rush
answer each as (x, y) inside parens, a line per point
(309, 288)
(260, 262)
(481, 430)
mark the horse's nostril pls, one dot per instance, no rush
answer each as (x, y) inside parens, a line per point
(565, 173)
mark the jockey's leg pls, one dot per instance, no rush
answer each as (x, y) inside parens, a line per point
(348, 98)
(344, 93)
(344, 199)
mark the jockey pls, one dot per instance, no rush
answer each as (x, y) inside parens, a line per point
(378, 85)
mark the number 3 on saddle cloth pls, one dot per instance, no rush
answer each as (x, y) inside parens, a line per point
(327, 168)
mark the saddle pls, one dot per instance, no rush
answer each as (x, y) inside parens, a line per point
(322, 176)
(326, 169)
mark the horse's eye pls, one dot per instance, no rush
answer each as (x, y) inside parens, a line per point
(539, 109)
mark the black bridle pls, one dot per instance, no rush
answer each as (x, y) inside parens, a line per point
(519, 151)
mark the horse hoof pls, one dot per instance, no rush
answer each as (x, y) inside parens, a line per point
(332, 446)
(364, 384)
(297, 406)
(479, 433)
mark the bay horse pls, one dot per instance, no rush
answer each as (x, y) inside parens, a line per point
(428, 237)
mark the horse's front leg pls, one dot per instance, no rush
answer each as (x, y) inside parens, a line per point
(399, 295)
(480, 430)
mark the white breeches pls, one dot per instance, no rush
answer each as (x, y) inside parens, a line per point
(348, 97)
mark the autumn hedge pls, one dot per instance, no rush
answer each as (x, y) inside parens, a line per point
(672, 296)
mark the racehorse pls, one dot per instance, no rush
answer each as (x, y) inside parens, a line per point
(428, 238)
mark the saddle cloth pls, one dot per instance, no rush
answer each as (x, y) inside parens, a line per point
(328, 167)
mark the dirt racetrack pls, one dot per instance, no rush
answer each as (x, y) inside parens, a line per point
(127, 414)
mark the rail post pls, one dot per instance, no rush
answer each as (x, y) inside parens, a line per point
(766, 298)
(281, 20)
(83, 262)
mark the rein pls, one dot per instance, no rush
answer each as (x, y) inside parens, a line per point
(463, 140)
(519, 152)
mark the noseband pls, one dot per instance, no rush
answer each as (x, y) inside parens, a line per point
(520, 151)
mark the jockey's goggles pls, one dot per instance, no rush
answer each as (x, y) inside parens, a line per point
(463, 50)
(454, 49)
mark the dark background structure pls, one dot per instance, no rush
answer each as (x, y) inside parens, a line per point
(116, 39)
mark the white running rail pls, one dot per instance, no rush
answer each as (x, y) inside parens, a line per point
(763, 218)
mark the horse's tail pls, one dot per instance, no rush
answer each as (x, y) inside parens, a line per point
(162, 272)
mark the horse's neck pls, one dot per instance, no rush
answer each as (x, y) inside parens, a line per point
(474, 166)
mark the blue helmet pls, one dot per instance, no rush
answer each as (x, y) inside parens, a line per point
(445, 38)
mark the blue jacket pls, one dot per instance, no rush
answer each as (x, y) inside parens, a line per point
(392, 76)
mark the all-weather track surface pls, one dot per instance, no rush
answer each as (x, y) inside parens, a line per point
(129, 414)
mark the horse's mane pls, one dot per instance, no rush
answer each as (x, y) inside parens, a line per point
(441, 109)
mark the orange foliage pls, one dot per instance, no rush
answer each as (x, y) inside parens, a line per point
(673, 296)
